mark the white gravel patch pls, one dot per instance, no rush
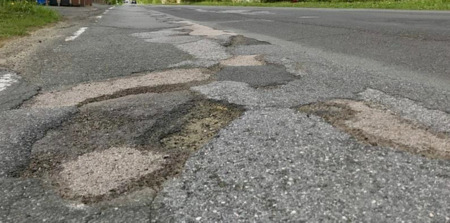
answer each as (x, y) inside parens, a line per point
(98, 173)
(243, 60)
(82, 92)
(387, 127)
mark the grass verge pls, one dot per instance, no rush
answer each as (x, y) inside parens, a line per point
(18, 18)
(383, 4)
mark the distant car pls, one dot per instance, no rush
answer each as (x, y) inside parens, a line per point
(133, 2)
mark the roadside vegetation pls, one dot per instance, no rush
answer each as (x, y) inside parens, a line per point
(378, 4)
(17, 18)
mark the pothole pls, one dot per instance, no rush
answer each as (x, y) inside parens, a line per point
(201, 124)
(244, 60)
(379, 127)
(116, 148)
(239, 40)
(83, 92)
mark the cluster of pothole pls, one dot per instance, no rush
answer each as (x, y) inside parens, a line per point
(134, 133)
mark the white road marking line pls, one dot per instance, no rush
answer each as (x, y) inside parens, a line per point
(76, 34)
(6, 81)
(106, 11)
(309, 17)
(99, 17)
(112, 7)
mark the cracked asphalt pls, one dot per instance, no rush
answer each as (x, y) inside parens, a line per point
(193, 114)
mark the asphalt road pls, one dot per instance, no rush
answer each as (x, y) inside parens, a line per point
(417, 41)
(200, 114)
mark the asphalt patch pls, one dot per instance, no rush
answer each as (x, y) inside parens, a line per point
(256, 76)
(372, 124)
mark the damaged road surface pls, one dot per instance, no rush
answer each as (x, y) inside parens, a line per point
(186, 114)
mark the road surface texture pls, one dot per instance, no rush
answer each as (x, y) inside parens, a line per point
(224, 114)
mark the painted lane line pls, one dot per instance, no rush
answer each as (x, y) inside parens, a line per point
(106, 11)
(112, 7)
(309, 17)
(6, 81)
(99, 17)
(76, 34)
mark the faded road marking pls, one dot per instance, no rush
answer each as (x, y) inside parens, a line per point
(6, 81)
(309, 17)
(99, 17)
(76, 34)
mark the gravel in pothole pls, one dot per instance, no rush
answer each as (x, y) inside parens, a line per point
(372, 124)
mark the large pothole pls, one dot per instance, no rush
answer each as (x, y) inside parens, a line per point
(377, 126)
(118, 147)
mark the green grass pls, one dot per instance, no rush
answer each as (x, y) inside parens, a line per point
(370, 4)
(20, 17)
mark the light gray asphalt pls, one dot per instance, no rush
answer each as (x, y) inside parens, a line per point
(271, 164)
(275, 165)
